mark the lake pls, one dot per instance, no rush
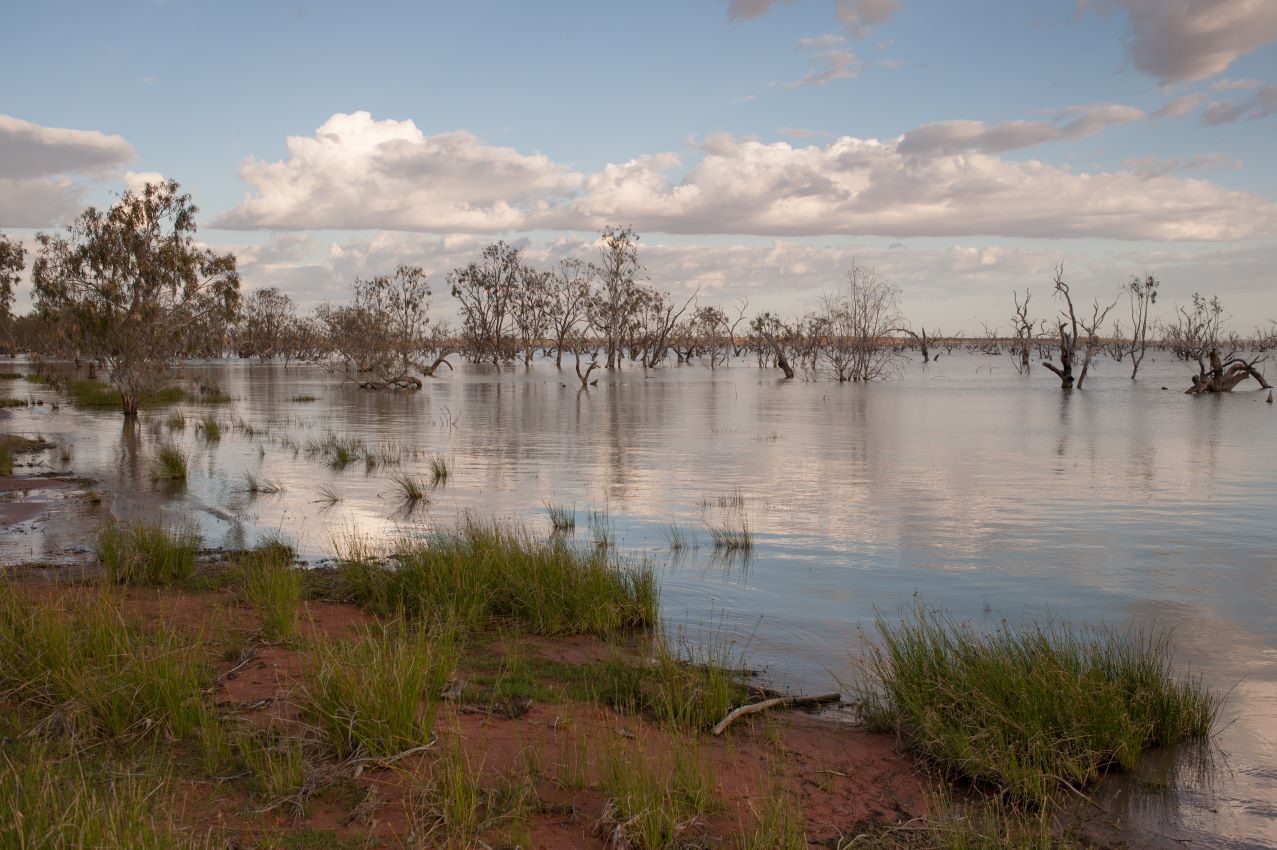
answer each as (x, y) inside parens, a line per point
(960, 485)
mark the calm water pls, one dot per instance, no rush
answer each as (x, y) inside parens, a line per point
(962, 484)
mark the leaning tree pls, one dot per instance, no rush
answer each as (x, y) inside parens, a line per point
(129, 285)
(1196, 334)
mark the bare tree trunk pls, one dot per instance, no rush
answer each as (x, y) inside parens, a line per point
(781, 361)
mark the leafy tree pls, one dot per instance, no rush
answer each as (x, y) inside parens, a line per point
(132, 289)
(266, 324)
(12, 262)
(619, 295)
(487, 290)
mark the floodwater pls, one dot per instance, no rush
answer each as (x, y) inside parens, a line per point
(961, 485)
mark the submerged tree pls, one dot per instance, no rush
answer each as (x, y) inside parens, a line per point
(129, 286)
(385, 337)
(486, 290)
(1196, 335)
(12, 262)
(619, 293)
(1142, 293)
(1072, 327)
(1024, 334)
(266, 324)
(853, 328)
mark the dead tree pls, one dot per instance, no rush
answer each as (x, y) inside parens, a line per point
(1023, 327)
(1197, 335)
(1071, 327)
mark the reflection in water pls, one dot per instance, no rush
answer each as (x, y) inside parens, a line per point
(988, 493)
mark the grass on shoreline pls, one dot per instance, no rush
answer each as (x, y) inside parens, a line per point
(1030, 710)
(138, 553)
(272, 584)
(489, 571)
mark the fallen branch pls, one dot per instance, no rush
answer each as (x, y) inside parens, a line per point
(774, 702)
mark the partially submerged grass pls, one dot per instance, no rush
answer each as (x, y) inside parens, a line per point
(438, 470)
(377, 694)
(255, 486)
(675, 537)
(732, 538)
(141, 553)
(272, 584)
(655, 802)
(489, 571)
(6, 460)
(601, 529)
(170, 463)
(87, 671)
(410, 488)
(176, 421)
(336, 451)
(562, 518)
(302, 399)
(86, 392)
(1030, 709)
(209, 428)
(327, 496)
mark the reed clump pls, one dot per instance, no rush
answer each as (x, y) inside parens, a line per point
(143, 553)
(1029, 710)
(170, 463)
(489, 571)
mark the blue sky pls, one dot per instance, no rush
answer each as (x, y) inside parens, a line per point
(757, 145)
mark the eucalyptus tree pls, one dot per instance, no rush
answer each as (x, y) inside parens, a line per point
(486, 290)
(385, 337)
(854, 328)
(266, 324)
(568, 302)
(1023, 328)
(130, 286)
(12, 262)
(1142, 293)
(1075, 329)
(619, 292)
(530, 309)
(1196, 334)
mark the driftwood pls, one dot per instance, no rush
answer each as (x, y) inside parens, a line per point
(792, 701)
(1226, 374)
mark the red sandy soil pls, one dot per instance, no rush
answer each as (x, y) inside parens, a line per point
(840, 774)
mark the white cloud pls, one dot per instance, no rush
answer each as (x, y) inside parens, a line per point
(1152, 166)
(1181, 105)
(864, 186)
(833, 65)
(135, 181)
(1259, 105)
(358, 173)
(961, 136)
(29, 150)
(743, 10)
(859, 16)
(823, 40)
(1185, 40)
(38, 164)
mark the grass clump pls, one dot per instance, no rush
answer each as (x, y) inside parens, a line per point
(732, 538)
(176, 421)
(411, 488)
(1030, 709)
(488, 571)
(6, 460)
(302, 399)
(49, 801)
(209, 428)
(87, 671)
(270, 582)
(276, 762)
(562, 518)
(455, 810)
(170, 463)
(139, 553)
(377, 694)
(86, 392)
(655, 803)
(256, 486)
(438, 470)
(777, 824)
(337, 452)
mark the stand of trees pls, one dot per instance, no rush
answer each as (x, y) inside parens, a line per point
(129, 291)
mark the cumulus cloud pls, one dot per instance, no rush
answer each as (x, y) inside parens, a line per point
(945, 138)
(743, 10)
(1259, 105)
(356, 172)
(1185, 40)
(859, 16)
(38, 165)
(1152, 166)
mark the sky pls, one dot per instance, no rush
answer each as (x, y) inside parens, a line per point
(760, 147)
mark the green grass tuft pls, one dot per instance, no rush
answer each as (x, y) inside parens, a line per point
(1030, 709)
(272, 584)
(209, 428)
(138, 553)
(655, 802)
(562, 518)
(170, 463)
(377, 694)
(489, 571)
